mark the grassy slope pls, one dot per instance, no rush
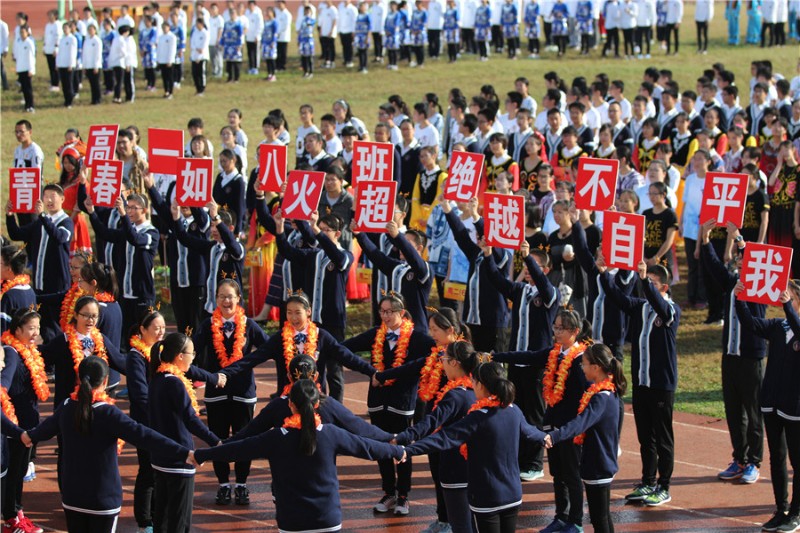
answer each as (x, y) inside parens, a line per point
(699, 345)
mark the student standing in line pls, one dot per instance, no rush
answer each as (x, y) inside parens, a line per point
(165, 57)
(148, 46)
(93, 62)
(67, 62)
(199, 56)
(25, 56)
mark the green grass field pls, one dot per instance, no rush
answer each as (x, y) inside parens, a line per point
(699, 345)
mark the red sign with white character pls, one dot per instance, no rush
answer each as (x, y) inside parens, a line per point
(765, 273)
(596, 184)
(194, 182)
(505, 220)
(464, 176)
(102, 143)
(375, 205)
(106, 184)
(372, 161)
(164, 149)
(271, 167)
(623, 240)
(303, 190)
(724, 197)
(25, 186)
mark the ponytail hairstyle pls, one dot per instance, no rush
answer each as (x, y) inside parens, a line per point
(464, 354)
(103, 274)
(144, 321)
(571, 320)
(14, 257)
(445, 318)
(601, 355)
(92, 372)
(433, 100)
(21, 318)
(302, 367)
(167, 350)
(82, 302)
(305, 397)
(493, 376)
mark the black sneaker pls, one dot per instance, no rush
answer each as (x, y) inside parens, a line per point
(790, 525)
(775, 522)
(242, 495)
(224, 496)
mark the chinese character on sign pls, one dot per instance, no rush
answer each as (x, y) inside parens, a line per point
(165, 147)
(372, 161)
(303, 190)
(25, 186)
(596, 184)
(505, 220)
(101, 144)
(106, 183)
(724, 197)
(463, 177)
(271, 167)
(375, 205)
(765, 273)
(624, 246)
(193, 184)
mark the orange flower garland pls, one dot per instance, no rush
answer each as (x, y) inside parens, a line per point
(76, 350)
(430, 377)
(8, 407)
(293, 422)
(33, 361)
(288, 388)
(555, 379)
(485, 403)
(400, 349)
(101, 396)
(138, 344)
(606, 384)
(218, 337)
(68, 305)
(463, 381)
(104, 297)
(290, 348)
(22, 279)
(169, 368)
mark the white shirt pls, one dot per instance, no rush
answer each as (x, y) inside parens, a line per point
(646, 15)
(347, 18)
(377, 16)
(593, 119)
(602, 110)
(284, 18)
(427, 136)
(625, 105)
(129, 58)
(255, 24)
(52, 35)
(166, 48)
(67, 55)
(199, 43)
(204, 14)
(613, 10)
(30, 157)
(628, 13)
(674, 11)
(25, 55)
(468, 8)
(215, 25)
(93, 53)
(644, 199)
(3, 37)
(435, 14)
(509, 124)
(334, 145)
(704, 10)
(302, 131)
(126, 20)
(327, 20)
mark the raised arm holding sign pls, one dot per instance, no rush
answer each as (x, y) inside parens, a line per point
(272, 161)
(303, 190)
(724, 198)
(623, 240)
(596, 183)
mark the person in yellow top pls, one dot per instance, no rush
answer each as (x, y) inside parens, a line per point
(426, 188)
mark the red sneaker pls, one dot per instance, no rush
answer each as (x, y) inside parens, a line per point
(27, 525)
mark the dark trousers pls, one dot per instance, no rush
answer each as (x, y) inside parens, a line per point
(527, 381)
(252, 54)
(394, 478)
(333, 368)
(533, 46)
(419, 54)
(702, 36)
(672, 32)
(233, 68)
(442, 514)
(599, 497)
(173, 510)
(434, 42)
(548, 32)
(780, 33)
(166, 78)
(561, 42)
(177, 72)
(612, 40)
(783, 437)
(627, 37)
(108, 80)
(78, 522)
(643, 36)
(497, 38)
(77, 79)
(199, 75)
(694, 284)
(144, 490)
(715, 292)
(468, 38)
(377, 43)
(225, 418)
(94, 85)
(652, 413)
(187, 302)
(741, 384)
(767, 27)
(564, 459)
(347, 47)
(504, 521)
(282, 48)
(392, 57)
(362, 58)
(67, 86)
(270, 67)
(512, 44)
(26, 83)
(328, 45)
(51, 67)
(585, 43)
(3, 75)
(452, 55)
(18, 457)
(150, 77)
(458, 512)
(124, 78)
(308, 64)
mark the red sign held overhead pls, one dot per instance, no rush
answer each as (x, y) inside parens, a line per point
(272, 160)
(101, 143)
(164, 149)
(505, 220)
(724, 197)
(25, 187)
(464, 176)
(596, 183)
(765, 272)
(303, 190)
(372, 161)
(375, 205)
(193, 185)
(106, 184)
(623, 240)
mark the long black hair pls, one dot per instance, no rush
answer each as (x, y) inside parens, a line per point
(492, 375)
(21, 317)
(305, 397)
(82, 302)
(446, 318)
(464, 354)
(601, 355)
(103, 274)
(167, 350)
(571, 320)
(15, 258)
(92, 372)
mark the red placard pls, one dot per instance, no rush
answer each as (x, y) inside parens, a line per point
(102, 143)
(464, 176)
(272, 160)
(724, 197)
(505, 220)
(303, 190)
(193, 185)
(106, 184)
(623, 240)
(596, 183)
(372, 161)
(765, 272)
(164, 149)
(375, 205)
(24, 189)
